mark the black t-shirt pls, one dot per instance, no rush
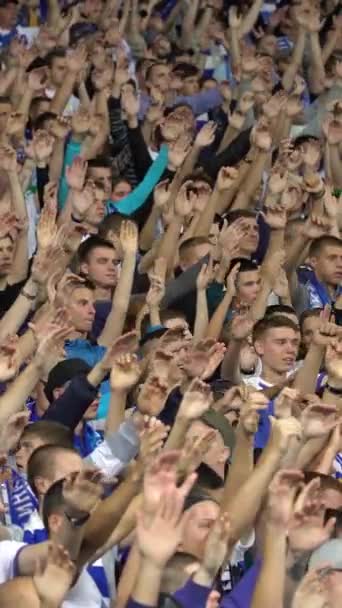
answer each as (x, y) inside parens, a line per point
(9, 295)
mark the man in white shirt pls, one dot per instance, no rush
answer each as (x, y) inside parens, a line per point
(276, 341)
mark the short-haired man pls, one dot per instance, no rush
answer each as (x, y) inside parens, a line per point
(276, 342)
(325, 283)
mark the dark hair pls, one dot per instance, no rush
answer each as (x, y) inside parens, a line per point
(275, 322)
(53, 433)
(40, 121)
(307, 314)
(112, 221)
(232, 216)
(100, 162)
(53, 502)
(89, 245)
(38, 62)
(42, 462)
(185, 70)
(278, 309)
(5, 99)
(58, 53)
(199, 175)
(193, 242)
(323, 241)
(245, 265)
(149, 70)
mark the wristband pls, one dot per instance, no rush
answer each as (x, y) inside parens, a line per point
(333, 390)
(28, 296)
(75, 219)
(77, 522)
(318, 195)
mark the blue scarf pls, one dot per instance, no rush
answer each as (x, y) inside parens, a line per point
(21, 500)
(316, 289)
(88, 441)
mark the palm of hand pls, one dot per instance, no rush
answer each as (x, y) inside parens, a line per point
(155, 486)
(53, 584)
(307, 533)
(82, 201)
(124, 379)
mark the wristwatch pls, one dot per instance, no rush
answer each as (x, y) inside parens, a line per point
(333, 390)
(77, 522)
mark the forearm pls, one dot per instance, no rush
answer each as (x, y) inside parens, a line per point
(207, 217)
(166, 248)
(13, 399)
(245, 505)
(54, 14)
(107, 515)
(217, 320)
(128, 577)
(316, 70)
(270, 587)
(177, 435)
(252, 181)
(116, 319)
(56, 161)
(147, 585)
(116, 413)
(202, 316)
(154, 315)
(226, 201)
(335, 165)
(19, 269)
(258, 308)
(296, 61)
(251, 18)
(19, 311)
(330, 45)
(242, 464)
(63, 94)
(147, 234)
(230, 368)
(306, 377)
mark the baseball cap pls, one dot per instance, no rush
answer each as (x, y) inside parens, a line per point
(217, 421)
(63, 372)
(328, 553)
(152, 332)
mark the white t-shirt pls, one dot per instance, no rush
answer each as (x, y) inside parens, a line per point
(72, 105)
(84, 594)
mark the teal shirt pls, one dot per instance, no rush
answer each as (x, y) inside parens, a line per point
(129, 204)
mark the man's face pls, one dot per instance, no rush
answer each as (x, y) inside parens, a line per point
(121, 190)
(278, 348)
(217, 454)
(58, 71)
(9, 16)
(5, 110)
(328, 265)
(27, 445)
(103, 175)
(201, 518)
(161, 47)
(96, 212)
(248, 286)
(102, 267)
(309, 327)
(6, 255)
(251, 237)
(190, 85)
(160, 77)
(194, 254)
(81, 309)
(91, 412)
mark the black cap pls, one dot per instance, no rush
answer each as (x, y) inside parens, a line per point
(63, 372)
(4, 3)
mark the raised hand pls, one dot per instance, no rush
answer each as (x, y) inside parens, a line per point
(159, 536)
(332, 129)
(286, 401)
(178, 150)
(307, 530)
(185, 201)
(206, 136)
(161, 194)
(8, 159)
(76, 173)
(226, 178)
(83, 200)
(319, 419)
(130, 103)
(47, 227)
(313, 590)
(205, 276)
(125, 373)
(9, 361)
(281, 496)
(246, 102)
(282, 431)
(41, 147)
(82, 491)
(196, 400)
(250, 410)
(53, 581)
(278, 181)
(216, 548)
(241, 327)
(12, 431)
(60, 127)
(260, 135)
(80, 122)
(50, 337)
(76, 60)
(129, 237)
(316, 226)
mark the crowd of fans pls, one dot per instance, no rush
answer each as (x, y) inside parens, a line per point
(170, 304)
